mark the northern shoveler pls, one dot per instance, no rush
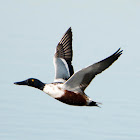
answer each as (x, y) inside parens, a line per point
(68, 87)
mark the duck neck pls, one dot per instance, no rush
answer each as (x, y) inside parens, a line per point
(40, 85)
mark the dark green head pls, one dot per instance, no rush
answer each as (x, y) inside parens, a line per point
(32, 82)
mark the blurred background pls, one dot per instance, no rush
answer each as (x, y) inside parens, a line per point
(29, 33)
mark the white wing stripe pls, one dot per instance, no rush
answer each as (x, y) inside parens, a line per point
(66, 65)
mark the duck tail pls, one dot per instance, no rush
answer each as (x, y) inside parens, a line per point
(92, 103)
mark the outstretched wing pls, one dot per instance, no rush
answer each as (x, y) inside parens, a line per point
(81, 79)
(63, 58)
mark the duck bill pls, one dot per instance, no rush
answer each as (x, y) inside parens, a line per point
(21, 83)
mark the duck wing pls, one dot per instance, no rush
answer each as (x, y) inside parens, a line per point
(63, 58)
(81, 79)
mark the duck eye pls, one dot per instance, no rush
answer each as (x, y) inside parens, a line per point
(32, 80)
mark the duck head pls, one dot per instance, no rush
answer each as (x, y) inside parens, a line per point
(32, 82)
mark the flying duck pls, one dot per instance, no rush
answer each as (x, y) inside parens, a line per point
(68, 87)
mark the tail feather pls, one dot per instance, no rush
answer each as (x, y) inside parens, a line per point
(92, 103)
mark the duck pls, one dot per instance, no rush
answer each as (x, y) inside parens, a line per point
(68, 87)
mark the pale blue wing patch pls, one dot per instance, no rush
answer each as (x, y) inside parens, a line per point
(63, 57)
(61, 70)
(81, 79)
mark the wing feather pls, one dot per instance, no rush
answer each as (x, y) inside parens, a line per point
(81, 79)
(63, 57)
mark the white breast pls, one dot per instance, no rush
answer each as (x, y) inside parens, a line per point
(54, 90)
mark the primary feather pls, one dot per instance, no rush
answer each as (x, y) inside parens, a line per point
(63, 58)
(81, 79)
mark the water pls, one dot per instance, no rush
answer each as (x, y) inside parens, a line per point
(31, 114)
(29, 32)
